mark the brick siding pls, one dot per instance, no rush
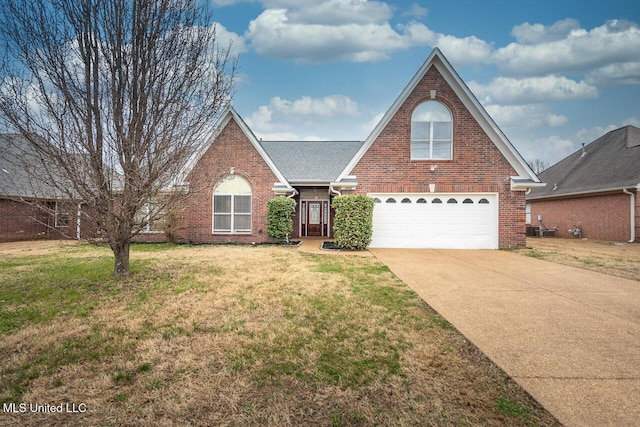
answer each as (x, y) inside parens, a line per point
(31, 221)
(476, 166)
(231, 149)
(602, 217)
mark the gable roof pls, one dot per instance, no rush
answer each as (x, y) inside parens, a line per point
(309, 162)
(231, 114)
(611, 162)
(526, 176)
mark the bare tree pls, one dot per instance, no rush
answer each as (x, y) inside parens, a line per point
(115, 96)
(538, 165)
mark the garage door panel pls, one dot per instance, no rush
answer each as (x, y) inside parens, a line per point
(465, 224)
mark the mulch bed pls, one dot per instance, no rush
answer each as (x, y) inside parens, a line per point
(330, 246)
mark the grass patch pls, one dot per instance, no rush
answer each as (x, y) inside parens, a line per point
(239, 336)
(512, 409)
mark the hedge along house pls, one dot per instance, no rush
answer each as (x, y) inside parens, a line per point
(594, 190)
(441, 172)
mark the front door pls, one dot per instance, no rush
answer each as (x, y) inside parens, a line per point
(314, 216)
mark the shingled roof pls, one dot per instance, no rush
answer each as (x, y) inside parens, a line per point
(311, 161)
(611, 162)
(21, 173)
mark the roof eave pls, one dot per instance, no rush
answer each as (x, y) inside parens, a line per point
(230, 113)
(524, 184)
(586, 192)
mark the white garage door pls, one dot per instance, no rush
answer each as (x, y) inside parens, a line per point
(437, 220)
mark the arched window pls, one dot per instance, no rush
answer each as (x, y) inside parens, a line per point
(406, 200)
(376, 200)
(431, 131)
(232, 206)
(436, 200)
(421, 200)
(391, 200)
(452, 200)
(468, 201)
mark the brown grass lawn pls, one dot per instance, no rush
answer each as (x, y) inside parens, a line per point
(616, 259)
(235, 335)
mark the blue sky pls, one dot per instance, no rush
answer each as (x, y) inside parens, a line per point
(552, 74)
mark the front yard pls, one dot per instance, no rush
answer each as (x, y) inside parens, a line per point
(234, 335)
(613, 258)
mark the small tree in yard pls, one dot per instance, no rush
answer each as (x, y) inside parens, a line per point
(279, 222)
(113, 98)
(353, 222)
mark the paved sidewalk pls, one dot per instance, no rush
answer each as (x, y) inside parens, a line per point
(569, 336)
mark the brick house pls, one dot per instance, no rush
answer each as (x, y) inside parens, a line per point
(440, 171)
(594, 190)
(29, 208)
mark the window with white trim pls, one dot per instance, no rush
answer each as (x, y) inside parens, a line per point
(150, 218)
(62, 215)
(232, 206)
(431, 132)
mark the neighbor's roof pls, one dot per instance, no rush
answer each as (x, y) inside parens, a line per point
(311, 161)
(611, 162)
(21, 173)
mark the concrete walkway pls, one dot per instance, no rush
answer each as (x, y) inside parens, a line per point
(569, 336)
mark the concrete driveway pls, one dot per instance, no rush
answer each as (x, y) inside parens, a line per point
(570, 337)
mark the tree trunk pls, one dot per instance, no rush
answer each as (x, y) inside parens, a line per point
(121, 254)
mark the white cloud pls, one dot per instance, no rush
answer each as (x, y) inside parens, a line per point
(349, 30)
(507, 90)
(416, 11)
(634, 121)
(616, 74)
(225, 38)
(468, 50)
(276, 35)
(339, 12)
(549, 149)
(556, 121)
(617, 41)
(368, 126)
(537, 33)
(304, 118)
(307, 106)
(589, 135)
(524, 116)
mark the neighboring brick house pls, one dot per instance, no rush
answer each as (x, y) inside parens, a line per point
(441, 172)
(30, 209)
(594, 190)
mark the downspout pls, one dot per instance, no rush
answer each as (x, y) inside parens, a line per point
(632, 216)
(291, 196)
(334, 191)
(78, 221)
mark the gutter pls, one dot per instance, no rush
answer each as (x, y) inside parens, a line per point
(342, 186)
(577, 193)
(632, 214)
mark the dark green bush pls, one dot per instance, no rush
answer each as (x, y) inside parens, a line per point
(279, 221)
(353, 222)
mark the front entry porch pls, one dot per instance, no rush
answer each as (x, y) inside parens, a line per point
(314, 216)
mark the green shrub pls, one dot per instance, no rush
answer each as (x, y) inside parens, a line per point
(353, 222)
(279, 222)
